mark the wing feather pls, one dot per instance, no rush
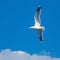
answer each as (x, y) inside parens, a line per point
(40, 35)
(37, 14)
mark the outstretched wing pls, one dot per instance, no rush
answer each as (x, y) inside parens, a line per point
(37, 14)
(40, 34)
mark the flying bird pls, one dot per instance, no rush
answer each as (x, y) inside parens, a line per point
(37, 24)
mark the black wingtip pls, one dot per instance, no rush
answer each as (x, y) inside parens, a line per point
(39, 7)
(41, 39)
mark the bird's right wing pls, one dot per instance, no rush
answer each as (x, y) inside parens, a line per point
(37, 14)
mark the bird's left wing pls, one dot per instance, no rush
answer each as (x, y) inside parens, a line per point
(40, 35)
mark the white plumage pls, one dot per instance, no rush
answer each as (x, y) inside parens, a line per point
(37, 24)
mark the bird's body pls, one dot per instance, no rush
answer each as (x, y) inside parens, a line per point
(37, 24)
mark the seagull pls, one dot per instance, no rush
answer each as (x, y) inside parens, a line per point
(37, 24)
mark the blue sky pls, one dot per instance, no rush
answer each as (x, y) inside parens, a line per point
(16, 16)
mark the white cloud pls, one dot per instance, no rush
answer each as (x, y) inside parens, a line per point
(7, 54)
